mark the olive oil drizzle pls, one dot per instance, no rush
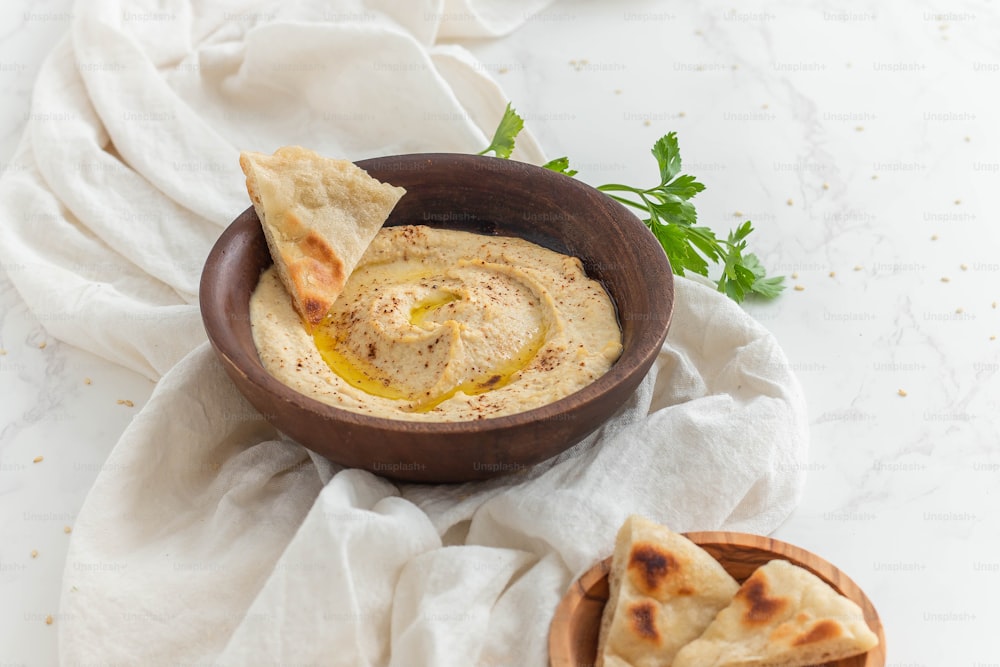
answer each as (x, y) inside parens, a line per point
(355, 372)
(499, 377)
(425, 307)
(363, 375)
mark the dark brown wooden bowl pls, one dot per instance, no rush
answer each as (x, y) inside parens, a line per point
(574, 631)
(488, 196)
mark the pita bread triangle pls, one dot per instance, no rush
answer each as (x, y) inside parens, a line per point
(782, 616)
(665, 590)
(319, 215)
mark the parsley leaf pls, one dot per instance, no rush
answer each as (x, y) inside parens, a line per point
(690, 247)
(503, 139)
(684, 187)
(668, 156)
(672, 218)
(560, 165)
(765, 287)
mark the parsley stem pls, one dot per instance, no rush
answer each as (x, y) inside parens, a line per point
(645, 206)
(623, 200)
(616, 186)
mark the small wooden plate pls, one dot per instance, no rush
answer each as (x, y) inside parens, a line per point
(577, 621)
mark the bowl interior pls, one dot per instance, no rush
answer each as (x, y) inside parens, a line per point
(575, 627)
(504, 198)
(487, 196)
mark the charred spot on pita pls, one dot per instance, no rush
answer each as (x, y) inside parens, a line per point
(651, 565)
(760, 606)
(642, 619)
(822, 631)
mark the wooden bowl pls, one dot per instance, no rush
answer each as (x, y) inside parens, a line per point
(488, 196)
(574, 631)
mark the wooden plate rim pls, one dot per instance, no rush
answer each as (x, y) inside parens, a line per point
(560, 644)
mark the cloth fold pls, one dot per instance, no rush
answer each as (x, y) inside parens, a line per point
(264, 550)
(130, 165)
(209, 537)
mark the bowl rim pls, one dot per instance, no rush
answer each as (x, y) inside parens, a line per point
(559, 639)
(246, 225)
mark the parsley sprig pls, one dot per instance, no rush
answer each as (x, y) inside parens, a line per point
(503, 139)
(672, 218)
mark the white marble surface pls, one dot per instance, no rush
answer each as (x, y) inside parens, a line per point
(861, 138)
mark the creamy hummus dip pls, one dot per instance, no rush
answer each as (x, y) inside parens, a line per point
(442, 325)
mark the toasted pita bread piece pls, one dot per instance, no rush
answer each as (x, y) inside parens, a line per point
(319, 215)
(782, 616)
(665, 590)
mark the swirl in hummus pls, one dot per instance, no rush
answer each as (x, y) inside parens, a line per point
(442, 325)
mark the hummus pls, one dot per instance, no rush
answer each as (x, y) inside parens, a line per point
(442, 325)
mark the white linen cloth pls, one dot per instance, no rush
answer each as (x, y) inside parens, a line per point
(209, 538)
